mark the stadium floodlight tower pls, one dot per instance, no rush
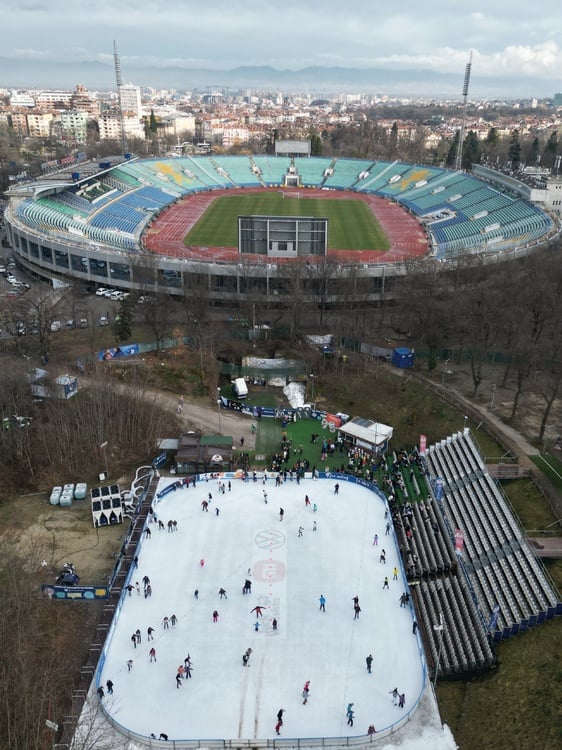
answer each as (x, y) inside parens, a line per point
(458, 159)
(119, 81)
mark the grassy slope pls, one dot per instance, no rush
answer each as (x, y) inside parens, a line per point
(351, 224)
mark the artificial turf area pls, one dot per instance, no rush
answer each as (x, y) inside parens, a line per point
(351, 223)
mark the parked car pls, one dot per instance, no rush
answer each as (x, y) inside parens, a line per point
(101, 292)
(55, 326)
(83, 323)
(70, 323)
(104, 320)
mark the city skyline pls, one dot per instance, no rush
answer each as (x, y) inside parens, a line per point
(176, 44)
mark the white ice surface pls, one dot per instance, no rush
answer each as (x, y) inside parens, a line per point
(289, 573)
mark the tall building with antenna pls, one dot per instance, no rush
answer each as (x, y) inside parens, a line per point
(458, 159)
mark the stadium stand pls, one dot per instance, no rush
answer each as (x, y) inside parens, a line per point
(512, 588)
(460, 212)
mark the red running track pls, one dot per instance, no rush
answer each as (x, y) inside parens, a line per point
(406, 235)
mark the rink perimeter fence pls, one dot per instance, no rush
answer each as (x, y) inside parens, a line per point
(189, 744)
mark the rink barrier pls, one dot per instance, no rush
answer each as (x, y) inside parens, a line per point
(256, 744)
(147, 480)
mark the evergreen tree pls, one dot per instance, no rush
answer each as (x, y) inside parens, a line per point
(514, 151)
(471, 151)
(123, 323)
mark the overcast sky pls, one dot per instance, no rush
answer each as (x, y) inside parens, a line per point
(508, 38)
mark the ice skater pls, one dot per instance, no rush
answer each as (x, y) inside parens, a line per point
(222, 594)
(149, 633)
(305, 692)
(109, 686)
(152, 654)
(395, 574)
(129, 665)
(350, 714)
(100, 692)
(401, 700)
(301, 529)
(385, 584)
(281, 514)
(394, 693)
(178, 680)
(247, 589)
(280, 715)
(314, 526)
(265, 497)
(306, 501)
(166, 623)
(369, 662)
(357, 612)
(336, 489)
(258, 609)
(215, 616)
(376, 540)
(322, 601)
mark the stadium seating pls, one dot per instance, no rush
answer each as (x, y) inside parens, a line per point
(500, 566)
(461, 213)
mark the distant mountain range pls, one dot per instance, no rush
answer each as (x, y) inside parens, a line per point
(314, 80)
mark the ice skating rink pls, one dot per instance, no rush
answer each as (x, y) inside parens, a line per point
(289, 573)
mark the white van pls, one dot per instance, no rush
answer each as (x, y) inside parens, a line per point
(240, 388)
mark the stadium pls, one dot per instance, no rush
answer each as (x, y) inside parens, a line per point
(127, 223)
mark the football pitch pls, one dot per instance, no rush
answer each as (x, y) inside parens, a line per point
(351, 223)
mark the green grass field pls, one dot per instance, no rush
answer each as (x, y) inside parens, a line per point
(351, 224)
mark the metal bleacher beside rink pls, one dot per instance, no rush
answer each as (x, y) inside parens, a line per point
(510, 586)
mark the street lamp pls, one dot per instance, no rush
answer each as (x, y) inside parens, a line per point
(465, 418)
(103, 446)
(441, 629)
(219, 407)
(311, 376)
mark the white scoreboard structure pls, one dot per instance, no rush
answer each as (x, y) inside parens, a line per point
(282, 236)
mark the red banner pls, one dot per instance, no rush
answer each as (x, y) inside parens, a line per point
(459, 540)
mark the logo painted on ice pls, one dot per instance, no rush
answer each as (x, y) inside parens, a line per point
(270, 539)
(268, 571)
